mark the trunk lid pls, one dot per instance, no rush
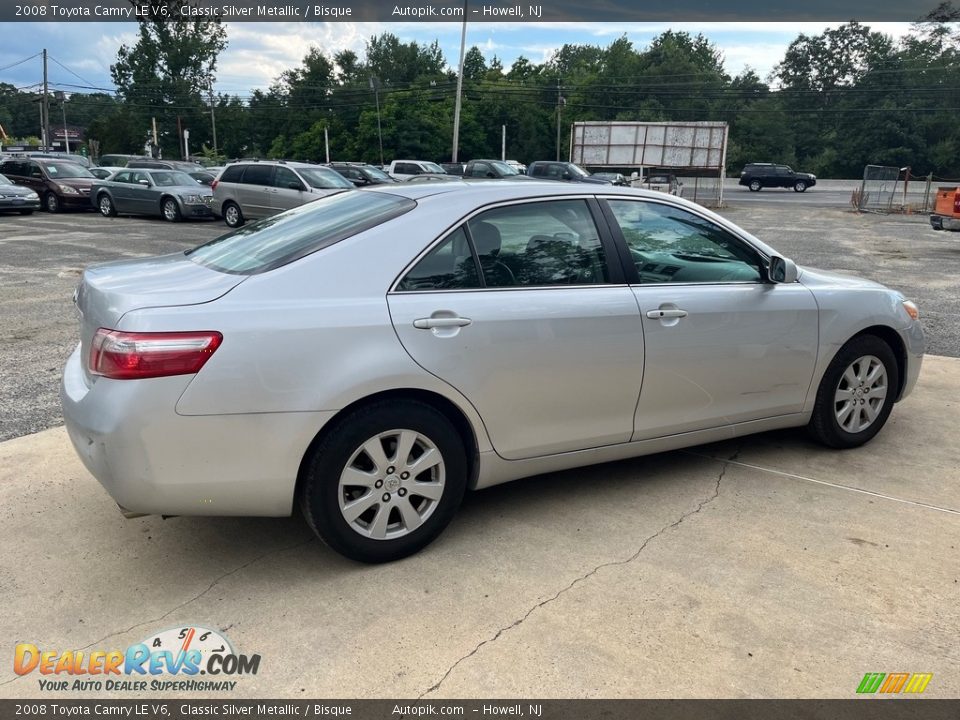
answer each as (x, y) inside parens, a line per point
(108, 291)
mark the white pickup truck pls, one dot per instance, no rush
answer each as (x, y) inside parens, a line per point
(406, 169)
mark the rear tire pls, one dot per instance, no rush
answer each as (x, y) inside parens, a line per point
(232, 215)
(856, 393)
(363, 493)
(755, 186)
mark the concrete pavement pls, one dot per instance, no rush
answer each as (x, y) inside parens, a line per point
(767, 567)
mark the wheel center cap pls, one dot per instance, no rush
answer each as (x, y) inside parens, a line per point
(392, 483)
(858, 392)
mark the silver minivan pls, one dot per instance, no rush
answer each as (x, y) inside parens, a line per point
(254, 189)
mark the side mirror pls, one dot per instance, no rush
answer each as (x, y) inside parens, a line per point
(782, 270)
(566, 176)
(360, 182)
(491, 174)
(145, 183)
(293, 185)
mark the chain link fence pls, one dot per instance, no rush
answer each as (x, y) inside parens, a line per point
(886, 189)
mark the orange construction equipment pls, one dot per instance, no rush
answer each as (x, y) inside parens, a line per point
(946, 210)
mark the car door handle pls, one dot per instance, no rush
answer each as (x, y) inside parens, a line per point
(441, 322)
(660, 314)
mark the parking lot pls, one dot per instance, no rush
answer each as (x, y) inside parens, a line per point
(767, 567)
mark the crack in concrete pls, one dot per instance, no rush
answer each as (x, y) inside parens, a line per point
(583, 578)
(196, 597)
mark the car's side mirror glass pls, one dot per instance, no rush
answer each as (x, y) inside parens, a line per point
(145, 183)
(782, 270)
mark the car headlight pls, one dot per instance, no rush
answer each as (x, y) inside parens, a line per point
(33, 196)
(191, 199)
(67, 190)
(912, 310)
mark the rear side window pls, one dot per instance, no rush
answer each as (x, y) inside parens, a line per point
(281, 239)
(233, 173)
(258, 175)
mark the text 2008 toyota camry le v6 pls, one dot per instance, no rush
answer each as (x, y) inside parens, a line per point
(375, 353)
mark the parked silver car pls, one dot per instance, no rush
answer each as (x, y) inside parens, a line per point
(251, 190)
(171, 194)
(376, 353)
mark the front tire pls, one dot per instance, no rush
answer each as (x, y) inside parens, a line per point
(856, 393)
(105, 205)
(52, 203)
(385, 481)
(170, 210)
(755, 186)
(799, 186)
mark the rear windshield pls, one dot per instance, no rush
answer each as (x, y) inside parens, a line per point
(281, 239)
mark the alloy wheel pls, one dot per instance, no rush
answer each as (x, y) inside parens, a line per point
(860, 394)
(391, 484)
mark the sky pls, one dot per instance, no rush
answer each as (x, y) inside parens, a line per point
(258, 52)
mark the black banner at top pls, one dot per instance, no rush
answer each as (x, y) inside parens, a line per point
(514, 11)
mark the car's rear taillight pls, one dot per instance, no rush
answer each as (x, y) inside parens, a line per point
(213, 185)
(134, 356)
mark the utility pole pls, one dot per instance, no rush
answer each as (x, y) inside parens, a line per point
(561, 101)
(375, 86)
(456, 108)
(46, 104)
(213, 121)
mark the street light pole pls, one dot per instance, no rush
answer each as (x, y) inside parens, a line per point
(213, 121)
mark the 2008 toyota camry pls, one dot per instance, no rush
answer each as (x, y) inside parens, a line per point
(374, 354)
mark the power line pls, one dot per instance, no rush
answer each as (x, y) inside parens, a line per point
(19, 62)
(69, 70)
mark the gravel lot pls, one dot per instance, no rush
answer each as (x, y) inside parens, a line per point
(41, 258)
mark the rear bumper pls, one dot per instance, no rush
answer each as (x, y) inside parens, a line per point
(153, 461)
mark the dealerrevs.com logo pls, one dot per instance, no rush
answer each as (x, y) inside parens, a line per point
(192, 658)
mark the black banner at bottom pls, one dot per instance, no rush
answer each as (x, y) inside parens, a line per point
(854, 709)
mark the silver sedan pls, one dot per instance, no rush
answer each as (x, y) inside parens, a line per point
(171, 194)
(373, 355)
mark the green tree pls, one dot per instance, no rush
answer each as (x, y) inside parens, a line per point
(169, 69)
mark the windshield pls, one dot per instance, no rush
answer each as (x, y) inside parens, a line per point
(324, 179)
(434, 168)
(172, 179)
(4, 180)
(577, 171)
(281, 239)
(377, 173)
(504, 168)
(66, 170)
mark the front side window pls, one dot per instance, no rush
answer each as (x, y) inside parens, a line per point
(286, 179)
(671, 245)
(124, 176)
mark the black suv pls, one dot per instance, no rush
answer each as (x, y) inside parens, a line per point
(761, 175)
(568, 171)
(361, 174)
